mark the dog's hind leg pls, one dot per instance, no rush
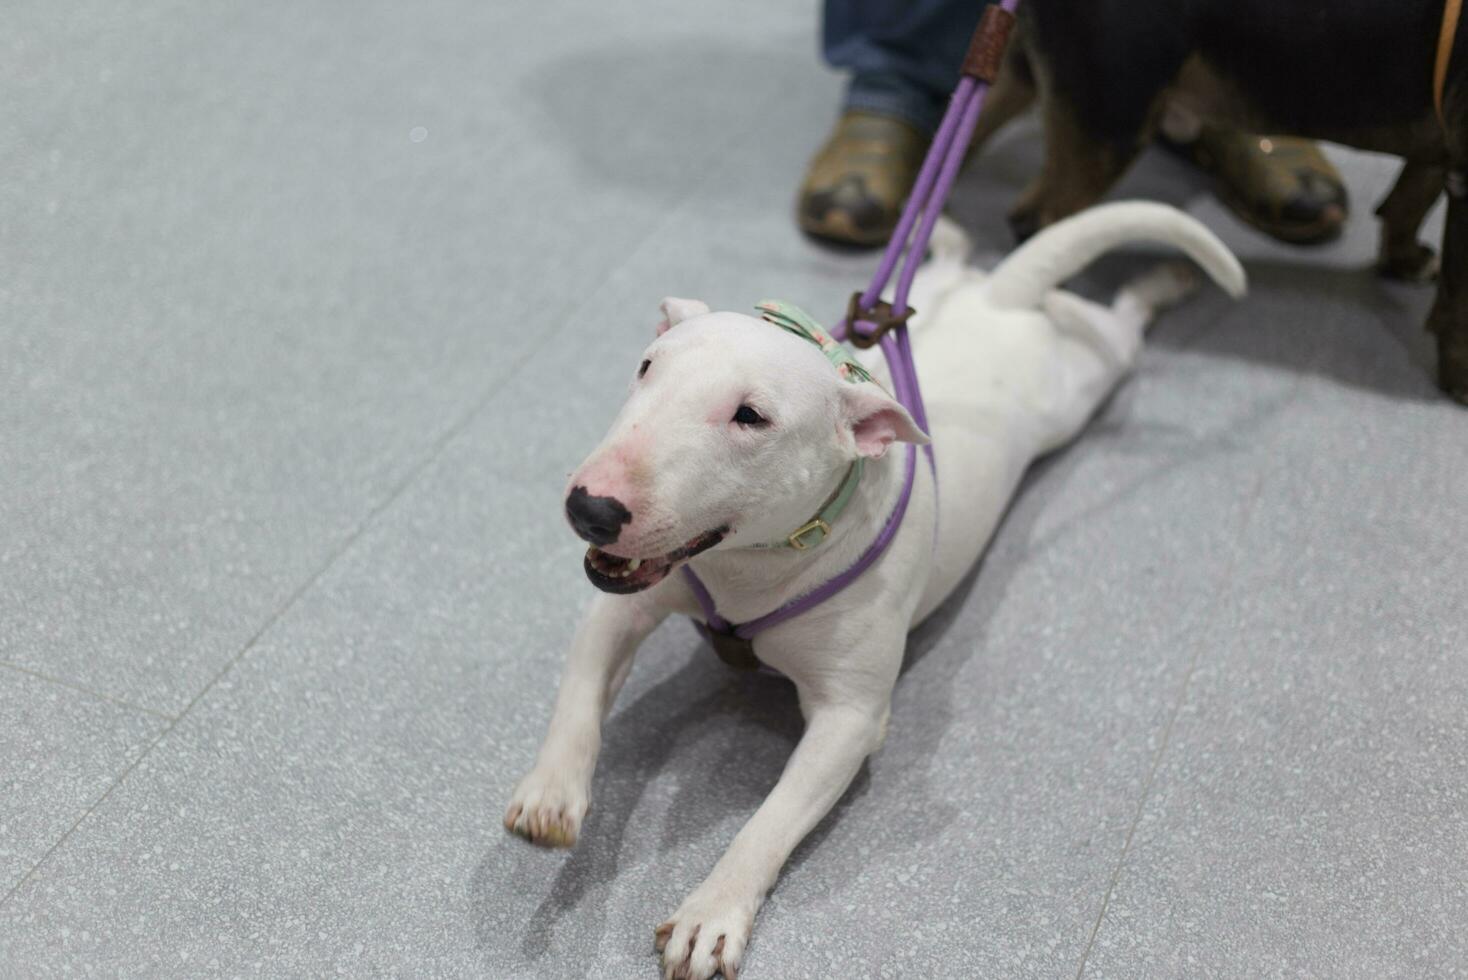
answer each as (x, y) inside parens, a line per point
(1099, 344)
(1094, 347)
(1139, 301)
(1449, 318)
(1401, 255)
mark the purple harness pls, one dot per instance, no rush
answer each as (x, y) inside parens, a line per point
(871, 321)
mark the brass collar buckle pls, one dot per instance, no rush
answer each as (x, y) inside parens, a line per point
(796, 539)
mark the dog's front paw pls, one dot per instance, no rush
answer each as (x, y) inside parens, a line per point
(547, 809)
(707, 935)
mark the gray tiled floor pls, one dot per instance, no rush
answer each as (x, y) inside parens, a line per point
(306, 317)
(62, 749)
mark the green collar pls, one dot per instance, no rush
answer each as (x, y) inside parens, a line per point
(815, 530)
(793, 319)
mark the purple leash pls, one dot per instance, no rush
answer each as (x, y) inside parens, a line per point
(747, 631)
(870, 321)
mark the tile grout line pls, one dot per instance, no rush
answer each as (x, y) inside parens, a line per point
(1165, 741)
(69, 685)
(434, 451)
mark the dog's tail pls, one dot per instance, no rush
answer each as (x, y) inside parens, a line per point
(1067, 247)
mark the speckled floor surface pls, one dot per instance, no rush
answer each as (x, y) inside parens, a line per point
(304, 315)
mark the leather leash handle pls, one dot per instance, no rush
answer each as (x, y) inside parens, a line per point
(986, 47)
(1452, 9)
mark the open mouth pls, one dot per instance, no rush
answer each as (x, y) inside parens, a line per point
(623, 576)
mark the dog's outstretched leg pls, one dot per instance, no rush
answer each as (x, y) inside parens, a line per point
(709, 931)
(549, 804)
(1098, 344)
(1139, 301)
(1402, 212)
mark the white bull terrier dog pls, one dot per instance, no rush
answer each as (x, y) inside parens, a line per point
(736, 433)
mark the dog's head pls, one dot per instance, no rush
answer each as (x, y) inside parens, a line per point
(734, 432)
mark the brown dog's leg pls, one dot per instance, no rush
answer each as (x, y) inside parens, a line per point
(1402, 256)
(1449, 318)
(1078, 170)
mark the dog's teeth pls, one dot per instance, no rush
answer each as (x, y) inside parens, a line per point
(633, 564)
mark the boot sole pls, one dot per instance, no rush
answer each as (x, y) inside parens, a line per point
(837, 229)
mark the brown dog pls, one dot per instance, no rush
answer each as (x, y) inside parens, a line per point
(1359, 72)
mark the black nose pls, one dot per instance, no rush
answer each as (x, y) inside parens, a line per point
(596, 519)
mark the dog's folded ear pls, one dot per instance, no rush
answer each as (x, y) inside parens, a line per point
(676, 310)
(873, 420)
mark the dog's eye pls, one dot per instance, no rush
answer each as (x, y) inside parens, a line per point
(642, 370)
(748, 416)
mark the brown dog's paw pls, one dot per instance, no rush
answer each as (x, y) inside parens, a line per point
(1417, 264)
(1452, 366)
(1457, 392)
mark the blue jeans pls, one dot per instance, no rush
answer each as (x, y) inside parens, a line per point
(903, 55)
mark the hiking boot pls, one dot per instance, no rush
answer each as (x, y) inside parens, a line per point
(1282, 185)
(855, 187)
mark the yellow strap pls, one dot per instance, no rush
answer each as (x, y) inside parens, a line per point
(1451, 10)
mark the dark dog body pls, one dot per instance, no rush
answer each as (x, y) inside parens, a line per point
(1358, 72)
